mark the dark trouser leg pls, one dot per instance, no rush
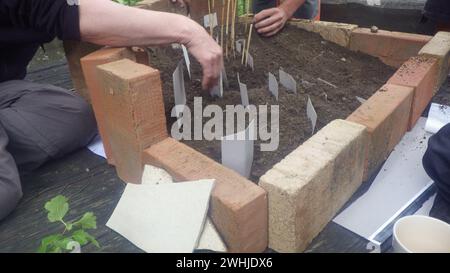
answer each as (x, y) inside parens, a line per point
(436, 161)
(10, 188)
(43, 122)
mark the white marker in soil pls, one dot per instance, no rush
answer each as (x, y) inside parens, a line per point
(361, 100)
(240, 45)
(210, 17)
(244, 92)
(288, 81)
(273, 85)
(187, 61)
(250, 61)
(217, 91)
(237, 150)
(179, 91)
(312, 114)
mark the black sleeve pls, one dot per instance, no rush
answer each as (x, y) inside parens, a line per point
(58, 18)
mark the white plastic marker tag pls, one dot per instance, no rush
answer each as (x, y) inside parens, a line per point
(244, 92)
(250, 62)
(361, 100)
(225, 77)
(217, 90)
(187, 60)
(273, 85)
(312, 114)
(206, 20)
(239, 45)
(237, 150)
(179, 91)
(288, 81)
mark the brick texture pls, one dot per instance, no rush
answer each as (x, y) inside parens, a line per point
(439, 47)
(392, 48)
(89, 64)
(133, 113)
(238, 206)
(307, 188)
(421, 74)
(386, 116)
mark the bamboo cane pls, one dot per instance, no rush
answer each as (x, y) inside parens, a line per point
(211, 28)
(233, 31)
(222, 19)
(248, 43)
(243, 52)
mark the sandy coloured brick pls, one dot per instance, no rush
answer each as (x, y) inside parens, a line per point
(134, 113)
(307, 188)
(338, 33)
(89, 65)
(386, 117)
(439, 47)
(420, 73)
(392, 48)
(238, 206)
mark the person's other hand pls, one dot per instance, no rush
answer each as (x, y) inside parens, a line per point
(270, 21)
(209, 54)
(182, 3)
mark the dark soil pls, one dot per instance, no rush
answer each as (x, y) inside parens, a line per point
(307, 57)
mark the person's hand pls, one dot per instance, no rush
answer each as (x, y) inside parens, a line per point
(208, 53)
(270, 21)
(182, 3)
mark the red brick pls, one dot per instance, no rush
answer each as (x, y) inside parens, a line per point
(386, 116)
(420, 73)
(74, 52)
(89, 64)
(238, 206)
(392, 48)
(134, 113)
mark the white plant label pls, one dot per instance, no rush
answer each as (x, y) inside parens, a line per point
(210, 17)
(361, 100)
(187, 60)
(273, 85)
(288, 81)
(312, 114)
(250, 62)
(179, 91)
(240, 45)
(237, 150)
(244, 92)
(217, 91)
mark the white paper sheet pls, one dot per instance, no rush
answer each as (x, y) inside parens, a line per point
(210, 238)
(273, 85)
(237, 150)
(311, 114)
(96, 146)
(187, 61)
(438, 117)
(165, 218)
(401, 178)
(287, 81)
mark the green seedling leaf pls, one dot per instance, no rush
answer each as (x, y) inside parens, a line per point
(47, 244)
(82, 237)
(88, 221)
(57, 208)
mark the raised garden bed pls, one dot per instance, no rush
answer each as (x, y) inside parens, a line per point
(308, 58)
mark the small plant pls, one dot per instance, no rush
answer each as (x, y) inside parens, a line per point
(128, 2)
(74, 231)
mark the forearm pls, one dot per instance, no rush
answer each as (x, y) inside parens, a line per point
(107, 23)
(290, 6)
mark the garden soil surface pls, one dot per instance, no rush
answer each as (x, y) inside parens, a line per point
(304, 55)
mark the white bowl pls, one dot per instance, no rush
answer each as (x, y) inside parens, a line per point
(421, 234)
